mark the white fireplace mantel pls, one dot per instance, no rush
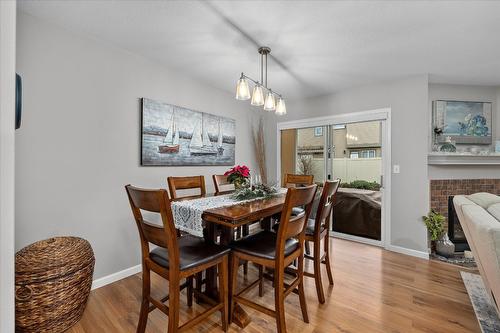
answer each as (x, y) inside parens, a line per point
(438, 158)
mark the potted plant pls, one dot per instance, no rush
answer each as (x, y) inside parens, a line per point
(439, 239)
(238, 176)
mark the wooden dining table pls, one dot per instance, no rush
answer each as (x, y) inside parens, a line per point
(222, 222)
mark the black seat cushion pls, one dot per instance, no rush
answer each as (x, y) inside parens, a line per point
(310, 227)
(193, 251)
(263, 245)
(296, 211)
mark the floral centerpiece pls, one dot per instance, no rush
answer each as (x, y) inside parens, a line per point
(254, 192)
(238, 176)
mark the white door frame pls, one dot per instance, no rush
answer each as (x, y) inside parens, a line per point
(7, 163)
(383, 115)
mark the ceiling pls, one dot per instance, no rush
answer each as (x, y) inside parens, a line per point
(318, 47)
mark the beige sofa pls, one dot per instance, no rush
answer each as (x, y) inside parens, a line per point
(479, 215)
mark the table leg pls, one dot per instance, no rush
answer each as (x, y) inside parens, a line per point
(211, 273)
(267, 223)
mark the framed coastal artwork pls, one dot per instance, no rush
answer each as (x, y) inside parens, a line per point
(175, 136)
(463, 122)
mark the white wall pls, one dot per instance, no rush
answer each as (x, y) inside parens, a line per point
(80, 139)
(408, 100)
(466, 93)
(7, 145)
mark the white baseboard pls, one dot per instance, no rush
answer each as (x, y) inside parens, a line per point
(410, 252)
(101, 282)
(356, 238)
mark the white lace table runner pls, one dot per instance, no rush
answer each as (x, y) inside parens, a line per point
(187, 214)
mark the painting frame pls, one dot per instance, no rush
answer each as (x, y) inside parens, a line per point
(173, 135)
(465, 122)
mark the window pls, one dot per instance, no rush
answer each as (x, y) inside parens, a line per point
(367, 153)
(370, 153)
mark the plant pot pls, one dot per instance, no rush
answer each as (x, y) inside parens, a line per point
(239, 184)
(444, 247)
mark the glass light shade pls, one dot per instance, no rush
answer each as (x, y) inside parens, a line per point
(257, 96)
(270, 103)
(242, 90)
(281, 107)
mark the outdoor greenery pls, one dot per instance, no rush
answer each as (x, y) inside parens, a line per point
(362, 185)
(435, 224)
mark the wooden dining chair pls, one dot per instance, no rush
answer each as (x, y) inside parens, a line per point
(317, 230)
(277, 251)
(222, 185)
(186, 183)
(176, 184)
(292, 180)
(174, 259)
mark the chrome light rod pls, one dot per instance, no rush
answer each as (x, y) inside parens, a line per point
(243, 76)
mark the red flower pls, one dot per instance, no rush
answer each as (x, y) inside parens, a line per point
(238, 170)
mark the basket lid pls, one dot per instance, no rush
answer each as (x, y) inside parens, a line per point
(52, 258)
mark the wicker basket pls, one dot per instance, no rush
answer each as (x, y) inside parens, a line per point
(53, 281)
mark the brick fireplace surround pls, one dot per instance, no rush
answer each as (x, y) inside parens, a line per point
(441, 189)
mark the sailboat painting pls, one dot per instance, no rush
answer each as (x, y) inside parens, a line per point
(175, 136)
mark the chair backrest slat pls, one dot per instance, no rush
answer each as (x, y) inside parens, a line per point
(164, 235)
(186, 183)
(154, 234)
(292, 180)
(325, 205)
(294, 226)
(222, 185)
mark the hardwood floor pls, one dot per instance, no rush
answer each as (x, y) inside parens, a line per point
(375, 291)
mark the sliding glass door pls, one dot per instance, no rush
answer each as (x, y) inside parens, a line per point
(350, 151)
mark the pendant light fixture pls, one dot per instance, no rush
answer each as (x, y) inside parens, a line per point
(280, 107)
(242, 91)
(260, 87)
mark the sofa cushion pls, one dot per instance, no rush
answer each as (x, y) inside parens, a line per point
(484, 199)
(460, 200)
(494, 210)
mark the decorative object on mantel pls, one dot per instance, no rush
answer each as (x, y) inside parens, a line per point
(173, 135)
(53, 281)
(269, 103)
(464, 122)
(448, 146)
(238, 176)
